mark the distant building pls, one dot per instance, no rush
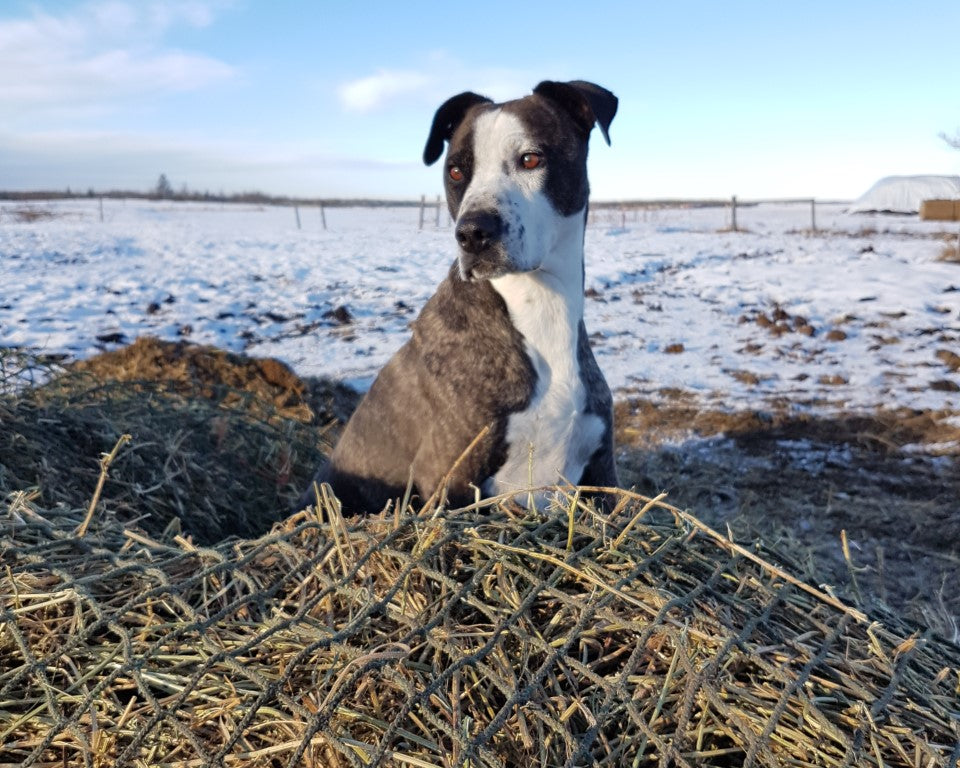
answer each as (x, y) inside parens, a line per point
(903, 194)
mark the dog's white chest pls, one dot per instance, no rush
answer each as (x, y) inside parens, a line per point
(553, 439)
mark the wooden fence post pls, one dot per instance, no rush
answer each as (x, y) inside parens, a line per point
(733, 214)
(323, 218)
(296, 212)
(813, 215)
(423, 204)
(101, 209)
(438, 212)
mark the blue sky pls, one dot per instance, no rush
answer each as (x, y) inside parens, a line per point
(757, 99)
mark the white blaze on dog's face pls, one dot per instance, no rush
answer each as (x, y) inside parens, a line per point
(516, 184)
(509, 174)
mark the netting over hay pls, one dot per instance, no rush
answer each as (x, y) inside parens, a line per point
(487, 636)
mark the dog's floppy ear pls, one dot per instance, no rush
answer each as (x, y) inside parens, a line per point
(585, 102)
(446, 120)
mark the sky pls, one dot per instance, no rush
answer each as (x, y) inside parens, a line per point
(335, 99)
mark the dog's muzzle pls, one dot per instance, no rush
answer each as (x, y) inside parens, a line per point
(480, 237)
(477, 231)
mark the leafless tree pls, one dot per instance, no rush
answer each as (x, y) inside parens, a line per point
(953, 141)
(163, 189)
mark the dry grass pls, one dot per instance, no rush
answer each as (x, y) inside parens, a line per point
(950, 253)
(30, 213)
(486, 636)
(475, 637)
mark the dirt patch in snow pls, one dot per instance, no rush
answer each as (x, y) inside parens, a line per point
(642, 423)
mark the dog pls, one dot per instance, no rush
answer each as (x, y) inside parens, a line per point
(497, 389)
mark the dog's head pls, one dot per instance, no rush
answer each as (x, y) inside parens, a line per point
(516, 173)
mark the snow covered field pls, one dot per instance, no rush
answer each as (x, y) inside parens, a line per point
(858, 315)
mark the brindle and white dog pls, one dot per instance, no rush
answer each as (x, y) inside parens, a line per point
(502, 343)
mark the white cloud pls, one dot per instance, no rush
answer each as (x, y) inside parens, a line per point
(440, 77)
(98, 55)
(113, 15)
(191, 12)
(368, 93)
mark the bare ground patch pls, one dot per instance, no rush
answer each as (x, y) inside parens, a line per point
(886, 481)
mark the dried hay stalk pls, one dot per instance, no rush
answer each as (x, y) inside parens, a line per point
(487, 636)
(475, 634)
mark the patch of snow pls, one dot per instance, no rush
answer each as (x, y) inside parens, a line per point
(673, 301)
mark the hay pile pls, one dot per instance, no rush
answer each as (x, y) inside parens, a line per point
(479, 637)
(220, 444)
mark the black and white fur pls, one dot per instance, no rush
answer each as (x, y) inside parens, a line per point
(502, 343)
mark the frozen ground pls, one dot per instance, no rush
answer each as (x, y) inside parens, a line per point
(861, 314)
(801, 351)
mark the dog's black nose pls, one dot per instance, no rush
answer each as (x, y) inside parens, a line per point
(478, 231)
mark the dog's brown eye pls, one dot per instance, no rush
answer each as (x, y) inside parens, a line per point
(455, 173)
(531, 160)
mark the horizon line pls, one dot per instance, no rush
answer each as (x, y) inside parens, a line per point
(346, 201)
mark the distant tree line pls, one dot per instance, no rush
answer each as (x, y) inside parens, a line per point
(164, 190)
